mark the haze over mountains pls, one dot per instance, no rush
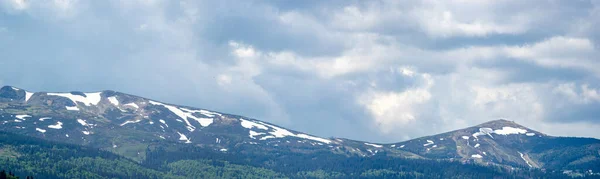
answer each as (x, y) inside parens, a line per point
(138, 128)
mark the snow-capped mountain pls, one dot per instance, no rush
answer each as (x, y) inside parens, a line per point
(507, 143)
(132, 126)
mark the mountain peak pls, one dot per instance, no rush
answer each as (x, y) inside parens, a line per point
(500, 123)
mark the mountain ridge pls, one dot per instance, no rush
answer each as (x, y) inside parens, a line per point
(134, 126)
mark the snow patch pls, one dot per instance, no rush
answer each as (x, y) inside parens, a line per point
(465, 137)
(133, 105)
(476, 156)
(58, 125)
(374, 145)
(129, 122)
(209, 113)
(476, 145)
(113, 100)
(85, 132)
(429, 142)
(510, 130)
(184, 114)
(223, 150)
(402, 146)
(280, 133)
(267, 137)
(203, 121)
(72, 108)
(249, 124)
(530, 134)
(523, 157)
(504, 131)
(304, 136)
(44, 118)
(89, 98)
(40, 130)
(28, 95)
(184, 138)
(484, 131)
(164, 122)
(82, 122)
(22, 117)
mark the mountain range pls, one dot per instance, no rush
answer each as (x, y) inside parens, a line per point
(169, 141)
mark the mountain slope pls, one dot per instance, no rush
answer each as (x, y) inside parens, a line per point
(507, 143)
(128, 124)
(145, 130)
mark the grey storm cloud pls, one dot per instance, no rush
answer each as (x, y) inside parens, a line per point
(369, 70)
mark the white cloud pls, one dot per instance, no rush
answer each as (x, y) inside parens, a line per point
(396, 62)
(391, 109)
(557, 51)
(224, 80)
(582, 94)
(19, 4)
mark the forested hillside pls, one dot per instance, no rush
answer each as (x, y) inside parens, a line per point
(27, 156)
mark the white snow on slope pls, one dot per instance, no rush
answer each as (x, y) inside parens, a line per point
(184, 138)
(465, 137)
(82, 122)
(523, 157)
(476, 156)
(203, 121)
(44, 118)
(249, 124)
(510, 130)
(28, 95)
(429, 142)
(305, 136)
(280, 133)
(72, 108)
(164, 122)
(40, 130)
(504, 131)
(22, 117)
(133, 105)
(58, 125)
(184, 114)
(84, 132)
(113, 100)
(530, 134)
(484, 131)
(374, 145)
(130, 122)
(208, 113)
(254, 134)
(88, 100)
(476, 145)
(267, 137)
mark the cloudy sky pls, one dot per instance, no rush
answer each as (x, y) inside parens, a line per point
(381, 71)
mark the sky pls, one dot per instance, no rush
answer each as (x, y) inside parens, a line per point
(380, 71)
